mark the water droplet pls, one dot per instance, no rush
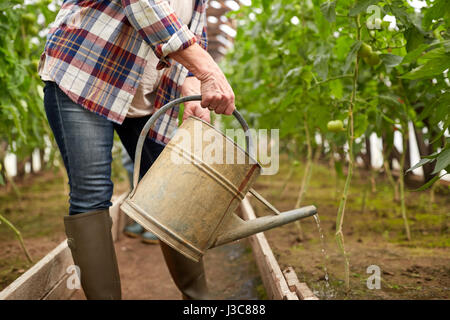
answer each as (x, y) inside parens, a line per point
(324, 252)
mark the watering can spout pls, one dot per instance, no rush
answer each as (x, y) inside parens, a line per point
(238, 228)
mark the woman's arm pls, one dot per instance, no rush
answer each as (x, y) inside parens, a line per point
(216, 92)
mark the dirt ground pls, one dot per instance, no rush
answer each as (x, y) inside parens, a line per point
(231, 270)
(374, 235)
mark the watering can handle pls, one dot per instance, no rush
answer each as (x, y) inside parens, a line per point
(161, 111)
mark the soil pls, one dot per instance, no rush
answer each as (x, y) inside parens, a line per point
(374, 235)
(230, 271)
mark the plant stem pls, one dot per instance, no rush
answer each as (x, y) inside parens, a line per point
(332, 79)
(306, 175)
(18, 235)
(286, 181)
(308, 168)
(391, 179)
(350, 138)
(431, 199)
(363, 205)
(402, 182)
(405, 136)
(333, 168)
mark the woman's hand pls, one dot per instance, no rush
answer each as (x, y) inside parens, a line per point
(191, 87)
(216, 92)
(193, 108)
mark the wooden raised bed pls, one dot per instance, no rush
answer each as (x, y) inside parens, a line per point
(279, 285)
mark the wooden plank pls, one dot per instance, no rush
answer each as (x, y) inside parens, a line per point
(47, 278)
(60, 291)
(40, 279)
(272, 277)
(117, 216)
(300, 288)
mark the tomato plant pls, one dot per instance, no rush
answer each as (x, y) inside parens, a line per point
(21, 107)
(297, 65)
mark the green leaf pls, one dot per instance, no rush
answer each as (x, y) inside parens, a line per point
(7, 4)
(431, 68)
(321, 66)
(414, 38)
(434, 155)
(351, 55)
(336, 89)
(440, 106)
(400, 13)
(438, 10)
(389, 100)
(329, 10)
(414, 54)
(442, 161)
(361, 6)
(339, 170)
(266, 4)
(360, 124)
(429, 183)
(391, 60)
(419, 164)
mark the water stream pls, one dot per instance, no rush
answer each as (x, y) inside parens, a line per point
(326, 292)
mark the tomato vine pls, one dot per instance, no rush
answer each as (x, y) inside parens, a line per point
(292, 60)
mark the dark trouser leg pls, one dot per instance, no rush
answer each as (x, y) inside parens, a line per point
(85, 141)
(189, 276)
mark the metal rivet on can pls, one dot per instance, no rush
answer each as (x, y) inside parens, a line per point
(71, 243)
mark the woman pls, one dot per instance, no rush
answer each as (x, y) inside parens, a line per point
(108, 65)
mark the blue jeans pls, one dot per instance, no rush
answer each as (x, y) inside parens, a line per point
(85, 141)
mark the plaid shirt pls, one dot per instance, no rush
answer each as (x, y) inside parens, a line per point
(96, 52)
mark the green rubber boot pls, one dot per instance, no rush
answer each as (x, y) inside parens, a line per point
(90, 241)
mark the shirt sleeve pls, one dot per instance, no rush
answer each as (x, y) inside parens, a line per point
(157, 23)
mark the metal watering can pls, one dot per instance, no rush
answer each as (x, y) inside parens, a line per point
(190, 205)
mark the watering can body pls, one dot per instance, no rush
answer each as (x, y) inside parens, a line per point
(188, 200)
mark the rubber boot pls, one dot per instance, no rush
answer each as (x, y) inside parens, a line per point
(189, 276)
(90, 241)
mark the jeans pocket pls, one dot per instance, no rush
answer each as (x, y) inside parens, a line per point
(47, 84)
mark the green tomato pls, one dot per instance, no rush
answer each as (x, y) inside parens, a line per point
(33, 30)
(365, 50)
(373, 59)
(335, 125)
(34, 64)
(29, 17)
(372, 33)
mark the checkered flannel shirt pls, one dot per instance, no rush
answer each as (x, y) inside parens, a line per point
(96, 52)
